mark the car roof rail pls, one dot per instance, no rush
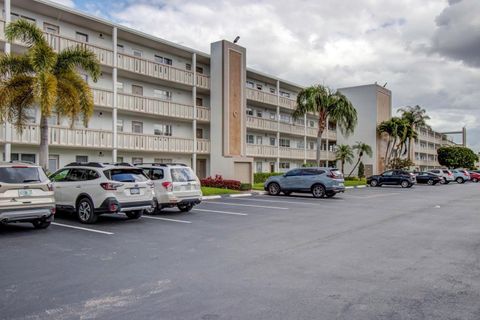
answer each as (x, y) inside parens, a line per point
(118, 164)
(86, 164)
(158, 164)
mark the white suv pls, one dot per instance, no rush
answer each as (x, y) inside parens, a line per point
(446, 174)
(176, 185)
(93, 188)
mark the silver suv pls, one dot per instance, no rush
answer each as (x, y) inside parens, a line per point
(176, 185)
(321, 182)
(91, 189)
(26, 195)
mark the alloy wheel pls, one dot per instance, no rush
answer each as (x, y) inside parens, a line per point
(84, 211)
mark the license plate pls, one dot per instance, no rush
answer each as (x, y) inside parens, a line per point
(134, 191)
(24, 192)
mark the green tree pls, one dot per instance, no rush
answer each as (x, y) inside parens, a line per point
(362, 149)
(344, 153)
(397, 130)
(456, 157)
(43, 78)
(328, 106)
(416, 117)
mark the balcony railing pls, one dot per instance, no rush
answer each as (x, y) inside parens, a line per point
(154, 143)
(292, 153)
(262, 124)
(256, 150)
(125, 61)
(260, 96)
(149, 105)
(292, 129)
(287, 103)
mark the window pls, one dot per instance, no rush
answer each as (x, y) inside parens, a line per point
(137, 53)
(273, 90)
(199, 133)
(83, 37)
(16, 16)
(53, 160)
(120, 125)
(259, 113)
(249, 112)
(137, 127)
(182, 175)
(273, 141)
(259, 140)
(311, 145)
(119, 159)
(51, 28)
(162, 94)
(199, 70)
(199, 102)
(300, 144)
(285, 118)
(387, 173)
(272, 115)
(259, 86)
(126, 175)
(284, 165)
(137, 90)
(284, 94)
(54, 119)
(300, 121)
(160, 59)
(24, 157)
(311, 124)
(120, 48)
(167, 61)
(60, 175)
(162, 129)
(120, 86)
(81, 158)
(312, 172)
(161, 160)
(188, 66)
(259, 166)
(250, 84)
(294, 173)
(250, 139)
(31, 115)
(156, 174)
(284, 142)
(137, 160)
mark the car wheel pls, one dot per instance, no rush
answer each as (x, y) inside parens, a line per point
(287, 193)
(85, 211)
(474, 180)
(405, 184)
(430, 182)
(185, 207)
(134, 214)
(443, 180)
(374, 183)
(330, 194)
(40, 224)
(459, 180)
(318, 191)
(274, 189)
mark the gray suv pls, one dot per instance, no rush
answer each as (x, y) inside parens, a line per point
(321, 182)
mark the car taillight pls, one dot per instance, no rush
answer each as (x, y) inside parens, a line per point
(50, 186)
(110, 185)
(167, 185)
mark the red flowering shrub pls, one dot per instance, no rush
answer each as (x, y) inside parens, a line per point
(219, 182)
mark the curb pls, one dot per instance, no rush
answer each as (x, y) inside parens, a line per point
(356, 187)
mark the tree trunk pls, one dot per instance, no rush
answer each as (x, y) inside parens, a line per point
(355, 167)
(322, 118)
(343, 166)
(43, 158)
(386, 152)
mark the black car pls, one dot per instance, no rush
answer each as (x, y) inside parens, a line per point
(428, 178)
(392, 177)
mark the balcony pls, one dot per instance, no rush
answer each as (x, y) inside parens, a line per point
(154, 143)
(262, 124)
(267, 151)
(149, 105)
(292, 153)
(260, 96)
(125, 61)
(256, 150)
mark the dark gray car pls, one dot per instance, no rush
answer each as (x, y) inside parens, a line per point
(321, 182)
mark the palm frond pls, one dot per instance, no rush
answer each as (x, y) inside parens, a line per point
(78, 57)
(14, 65)
(42, 58)
(16, 99)
(26, 32)
(342, 111)
(45, 89)
(74, 98)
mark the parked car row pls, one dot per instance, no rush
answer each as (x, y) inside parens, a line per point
(91, 189)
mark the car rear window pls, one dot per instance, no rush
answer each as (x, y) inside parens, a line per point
(126, 175)
(22, 175)
(182, 175)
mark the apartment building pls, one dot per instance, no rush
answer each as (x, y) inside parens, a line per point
(424, 149)
(157, 101)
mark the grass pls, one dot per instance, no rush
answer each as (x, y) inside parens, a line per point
(257, 186)
(356, 183)
(209, 191)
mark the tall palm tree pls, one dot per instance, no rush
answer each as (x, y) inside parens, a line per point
(327, 105)
(344, 153)
(362, 149)
(417, 118)
(396, 129)
(46, 79)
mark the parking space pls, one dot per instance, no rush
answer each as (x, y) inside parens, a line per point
(252, 251)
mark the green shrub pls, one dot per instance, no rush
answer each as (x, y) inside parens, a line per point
(261, 177)
(351, 179)
(361, 170)
(245, 186)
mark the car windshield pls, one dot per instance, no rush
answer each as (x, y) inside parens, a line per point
(126, 175)
(22, 175)
(182, 175)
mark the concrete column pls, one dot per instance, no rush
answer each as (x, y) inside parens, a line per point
(115, 98)
(305, 139)
(194, 123)
(277, 163)
(8, 127)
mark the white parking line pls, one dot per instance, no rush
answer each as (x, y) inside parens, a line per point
(240, 195)
(225, 212)
(282, 201)
(81, 228)
(374, 195)
(245, 205)
(166, 219)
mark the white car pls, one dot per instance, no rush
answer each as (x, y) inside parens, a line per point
(91, 189)
(176, 185)
(446, 174)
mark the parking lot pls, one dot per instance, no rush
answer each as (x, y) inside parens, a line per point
(371, 253)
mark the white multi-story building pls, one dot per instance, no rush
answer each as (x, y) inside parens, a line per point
(157, 101)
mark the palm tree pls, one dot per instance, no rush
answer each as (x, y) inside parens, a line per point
(327, 105)
(417, 118)
(344, 153)
(361, 148)
(396, 129)
(44, 78)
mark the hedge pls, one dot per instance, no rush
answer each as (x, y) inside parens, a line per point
(261, 177)
(219, 182)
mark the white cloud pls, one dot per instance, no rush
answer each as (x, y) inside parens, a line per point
(337, 42)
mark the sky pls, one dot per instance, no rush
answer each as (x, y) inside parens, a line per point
(427, 52)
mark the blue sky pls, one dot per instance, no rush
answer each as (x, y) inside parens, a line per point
(427, 51)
